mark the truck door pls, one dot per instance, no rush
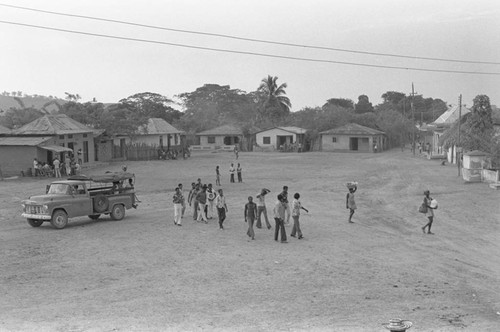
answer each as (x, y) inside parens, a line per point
(80, 202)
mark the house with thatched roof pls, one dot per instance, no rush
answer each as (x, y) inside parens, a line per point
(224, 137)
(46, 138)
(352, 137)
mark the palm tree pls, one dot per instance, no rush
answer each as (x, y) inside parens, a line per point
(276, 104)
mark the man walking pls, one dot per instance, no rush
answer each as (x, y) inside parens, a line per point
(279, 217)
(296, 207)
(221, 208)
(250, 214)
(201, 197)
(284, 194)
(231, 173)
(57, 170)
(211, 195)
(261, 208)
(178, 199)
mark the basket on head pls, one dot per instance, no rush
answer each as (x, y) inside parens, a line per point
(351, 184)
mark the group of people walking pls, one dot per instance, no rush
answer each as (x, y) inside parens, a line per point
(208, 203)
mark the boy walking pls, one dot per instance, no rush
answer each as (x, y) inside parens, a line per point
(284, 194)
(217, 176)
(250, 214)
(279, 218)
(261, 208)
(231, 173)
(296, 207)
(201, 197)
(221, 208)
(178, 199)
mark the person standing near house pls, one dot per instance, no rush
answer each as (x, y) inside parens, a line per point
(57, 170)
(279, 218)
(236, 152)
(183, 200)
(249, 214)
(296, 207)
(35, 167)
(67, 165)
(217, 176)
(261, 208)
(178, 199)
(238, 171)
(221, 208)
(231, 173)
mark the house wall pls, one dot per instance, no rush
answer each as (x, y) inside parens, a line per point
(219, 141)
(154, 140)
(78, 143)
(273, 135)
(14, 159)
(365, 143)
(104, 151)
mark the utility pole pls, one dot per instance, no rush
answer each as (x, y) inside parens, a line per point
(457, 154)
(413, 119)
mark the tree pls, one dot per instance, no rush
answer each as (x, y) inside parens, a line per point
(72, 97)
(151, 105)
(363, 105)
(341, 102)
(393, 97)
(15, 118)
(276, 104)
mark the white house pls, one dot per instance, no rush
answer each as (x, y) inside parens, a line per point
(280, 136)
(223, 137)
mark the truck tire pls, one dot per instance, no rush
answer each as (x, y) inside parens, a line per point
(118, 212)
(35, 222)
(101, 203)
(94, 216)
(59, 219)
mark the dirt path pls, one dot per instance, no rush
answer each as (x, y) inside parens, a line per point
(145, 274)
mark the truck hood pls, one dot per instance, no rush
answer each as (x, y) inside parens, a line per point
(40, 199)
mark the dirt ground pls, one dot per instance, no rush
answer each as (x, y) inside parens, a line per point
(145, 274)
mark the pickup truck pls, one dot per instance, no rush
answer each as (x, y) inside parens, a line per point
(81, 196)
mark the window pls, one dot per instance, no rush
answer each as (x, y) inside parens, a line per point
(211, 139)
(266, 140)
(334, 139)
(61, 136)
(70, 136)
(84, 135)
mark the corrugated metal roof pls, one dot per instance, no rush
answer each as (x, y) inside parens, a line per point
(450, 115)
(294, 130)
(159, 126)
(23, 141)
(222, 130)
(352, 129)
(57, 124)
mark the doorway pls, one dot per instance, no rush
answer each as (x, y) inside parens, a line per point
(353, 143)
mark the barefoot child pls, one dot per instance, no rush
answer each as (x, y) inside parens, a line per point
(350, 203)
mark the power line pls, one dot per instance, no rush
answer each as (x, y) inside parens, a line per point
(252, 39)
(247, 53)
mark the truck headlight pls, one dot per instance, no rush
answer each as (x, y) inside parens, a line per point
(45, 208)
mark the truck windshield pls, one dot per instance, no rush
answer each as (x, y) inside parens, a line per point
(58, 188)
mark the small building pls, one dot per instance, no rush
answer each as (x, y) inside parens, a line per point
(278, 137)
(223, 137)
(472, 165)
(18, 152)
(155, 134)
(66, 136)
(352, 137)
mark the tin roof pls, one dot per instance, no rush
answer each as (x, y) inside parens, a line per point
(294, 130)
(56, 124)
(451, 115)
(159, 126)
(228, 130)
(23, 140)
(352, 129)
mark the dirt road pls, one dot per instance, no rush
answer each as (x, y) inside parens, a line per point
(145, 274)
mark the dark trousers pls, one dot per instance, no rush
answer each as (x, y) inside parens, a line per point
(222, 216)
(195, 210)
(296, 226)
(280, 226)
(239, 177)
(232, 178)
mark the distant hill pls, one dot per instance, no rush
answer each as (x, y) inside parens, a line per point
(42, 103)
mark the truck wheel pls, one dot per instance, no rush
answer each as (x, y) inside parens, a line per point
(94, 216)
(118, 212)
(59, 219)
(101, 203)
(35, 222)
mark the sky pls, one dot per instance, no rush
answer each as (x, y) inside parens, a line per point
(48, 62)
